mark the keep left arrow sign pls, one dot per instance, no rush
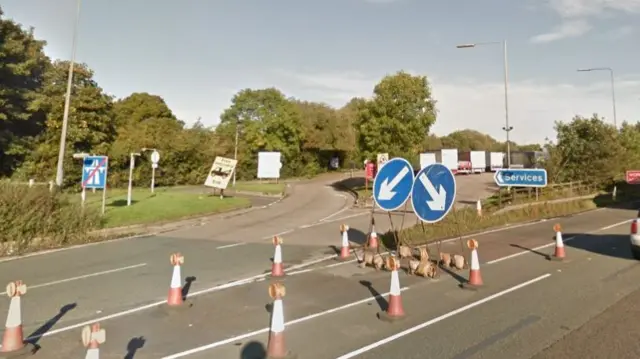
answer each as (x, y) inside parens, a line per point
(438, 197)
(386, 189)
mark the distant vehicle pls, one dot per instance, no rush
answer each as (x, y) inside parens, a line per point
(635, 239)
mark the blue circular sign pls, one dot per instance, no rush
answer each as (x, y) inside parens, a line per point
(433, 193)
(393, 183)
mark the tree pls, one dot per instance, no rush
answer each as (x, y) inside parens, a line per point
(398, 117)
(22, 67)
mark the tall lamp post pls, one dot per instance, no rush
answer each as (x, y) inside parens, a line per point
(235, 152)
(613, 88)
(67, 101)
(507, 128)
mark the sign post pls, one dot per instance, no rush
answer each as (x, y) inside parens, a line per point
(94, 175)
(433, 193)
(521, 177)
(155, 158)
(132, 165)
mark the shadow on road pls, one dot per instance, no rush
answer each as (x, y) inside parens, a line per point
(253, 350)
(611, 245)
(35, 337)
(460, 279)
(133, 346)
(382, 303)
(187, 286)
(544, 255)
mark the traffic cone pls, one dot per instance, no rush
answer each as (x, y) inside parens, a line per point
(276, 268)
(92, 337)
(475, 278)
(373, 237)
(344, 251)
(13, 344)
(559, 254)
(175, 291)
(395, 310)
(276, 347)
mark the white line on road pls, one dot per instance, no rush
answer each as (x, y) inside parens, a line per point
(86, 276)
(232, 245)
(554, 243)
(265, 330)
(442, 317)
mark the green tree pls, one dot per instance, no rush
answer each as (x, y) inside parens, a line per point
(22, 67)
(398, 117)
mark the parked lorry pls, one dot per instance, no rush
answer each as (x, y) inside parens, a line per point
(449, 158)
(522, 159)
(428, 158)
(472, 161)
(495, 161)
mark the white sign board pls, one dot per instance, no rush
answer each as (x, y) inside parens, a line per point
(269, 164)
(221, 172)
(382, 159)
(155, 157)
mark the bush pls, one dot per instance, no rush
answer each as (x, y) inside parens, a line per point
(35, 218)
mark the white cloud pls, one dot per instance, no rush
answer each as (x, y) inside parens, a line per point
(533, 106)
(565, 30)
(577, 14)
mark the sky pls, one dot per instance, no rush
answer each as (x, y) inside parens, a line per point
(196, 54)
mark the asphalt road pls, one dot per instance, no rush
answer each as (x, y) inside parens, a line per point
(330, 307)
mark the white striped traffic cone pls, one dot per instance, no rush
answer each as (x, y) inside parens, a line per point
(276, 348)
(395, 309)
(277, 269)
(175, 290)
(92, 337)
(344, 250)
(475, 278)
(559, 253)
(13, 344)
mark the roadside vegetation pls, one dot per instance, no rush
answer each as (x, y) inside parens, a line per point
(397, 119)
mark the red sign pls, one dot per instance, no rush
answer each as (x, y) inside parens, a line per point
(633, 177)
(370, 170)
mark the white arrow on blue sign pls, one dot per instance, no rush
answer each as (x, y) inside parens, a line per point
(521, 177)
(393, 183)
(433, 193)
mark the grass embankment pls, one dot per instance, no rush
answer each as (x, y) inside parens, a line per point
(466, 221)
(269, 188)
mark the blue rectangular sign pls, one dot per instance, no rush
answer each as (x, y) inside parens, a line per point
(511, 177)
(94, 172)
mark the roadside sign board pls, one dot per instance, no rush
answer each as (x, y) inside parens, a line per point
(382, 159)
(155, 157)
(433, 193)
(269, 164)
(633, 177)
(220, 173)
(523, 177)
(94, 172)
(392, 185)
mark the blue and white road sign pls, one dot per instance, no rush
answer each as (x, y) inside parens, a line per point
(433, 193)
(525, 177)
(392, 185)
(94, 171)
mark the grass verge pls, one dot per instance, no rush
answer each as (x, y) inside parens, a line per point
(160, 206)
(270, 188)
(462, 222)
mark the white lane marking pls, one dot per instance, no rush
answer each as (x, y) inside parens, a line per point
(442, 317)
(334, 214)
(232, 245)
(87, 276)
(553, 243)
(277, 234)
(265, 330)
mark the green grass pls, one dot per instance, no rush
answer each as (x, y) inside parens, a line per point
(271, 188)
(163, 205)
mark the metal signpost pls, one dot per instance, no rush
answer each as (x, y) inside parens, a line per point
(433, 193)
(132, 166)
(94, 175)
(155, 158)
(523, 177)
(392, 185)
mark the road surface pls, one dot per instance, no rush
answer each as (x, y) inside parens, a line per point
(528, 303)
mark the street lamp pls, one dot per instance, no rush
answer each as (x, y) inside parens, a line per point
(613, 88)
(67, 101)
(507, 128)
(235, 152)
(132, 165)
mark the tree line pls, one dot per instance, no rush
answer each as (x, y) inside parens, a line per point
(396, 119)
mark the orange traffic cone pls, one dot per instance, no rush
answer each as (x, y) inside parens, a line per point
(276, 268)
(13, 344)
(475, 278)
(373, 237)
(344, 251)
(175, 291)
(92, 337)
(276, 347)
(395, 310)
(559, 254)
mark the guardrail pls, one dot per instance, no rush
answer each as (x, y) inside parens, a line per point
(515, 196)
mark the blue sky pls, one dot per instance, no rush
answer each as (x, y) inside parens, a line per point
(197, 54)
